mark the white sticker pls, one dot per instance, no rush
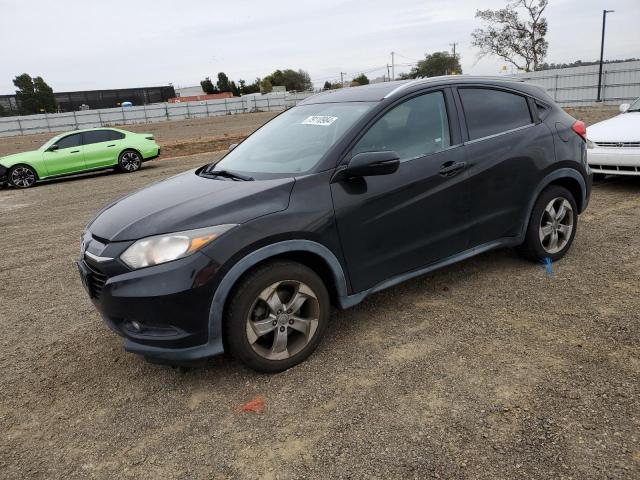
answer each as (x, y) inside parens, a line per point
(324, 120)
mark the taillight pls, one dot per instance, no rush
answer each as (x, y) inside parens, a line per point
(149, 137)
(580, 128)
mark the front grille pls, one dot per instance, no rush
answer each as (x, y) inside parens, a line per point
(614, 168)
(96, 281)
(618, 144)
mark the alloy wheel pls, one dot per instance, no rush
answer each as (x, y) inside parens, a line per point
(130, 161)
(556, 225)
(282, 320)
(23, 177)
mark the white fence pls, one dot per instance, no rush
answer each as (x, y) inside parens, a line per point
(578, 86)
(158, 112)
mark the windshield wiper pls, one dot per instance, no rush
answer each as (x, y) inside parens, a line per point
(226, 174)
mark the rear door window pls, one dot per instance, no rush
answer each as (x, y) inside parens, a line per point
(489, 112)
(96, 136)
(113, 135)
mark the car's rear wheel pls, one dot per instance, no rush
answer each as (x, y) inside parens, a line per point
(22, 176)
(277, 316)
(129, 161)
(552, 226)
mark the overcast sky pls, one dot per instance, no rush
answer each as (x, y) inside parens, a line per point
(88, 44)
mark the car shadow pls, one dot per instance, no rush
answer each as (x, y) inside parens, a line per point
(83, 176)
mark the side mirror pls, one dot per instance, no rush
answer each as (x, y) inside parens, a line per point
(624, 107)
(232, 146)
(368, 164)
(52, 148)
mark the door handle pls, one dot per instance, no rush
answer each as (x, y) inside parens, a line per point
(449, 169)
(111, 145)
(74, 151)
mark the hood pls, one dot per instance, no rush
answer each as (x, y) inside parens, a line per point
(24, 157)
(186, 202)
(621, 128)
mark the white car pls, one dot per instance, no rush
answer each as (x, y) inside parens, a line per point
(613, 145)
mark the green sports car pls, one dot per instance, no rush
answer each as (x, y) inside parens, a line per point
(78, 152)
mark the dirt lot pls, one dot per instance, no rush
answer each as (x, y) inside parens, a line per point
(486, 369)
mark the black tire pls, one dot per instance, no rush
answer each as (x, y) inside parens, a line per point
(129, 161)
(22, 176)
(245, 302)
(533, 247)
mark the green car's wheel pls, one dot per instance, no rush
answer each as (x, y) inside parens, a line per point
(22, 176)
(129, 161)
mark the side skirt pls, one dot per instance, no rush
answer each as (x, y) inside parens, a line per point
(351, 300)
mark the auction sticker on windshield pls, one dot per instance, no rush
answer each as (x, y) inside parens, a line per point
(324, 120)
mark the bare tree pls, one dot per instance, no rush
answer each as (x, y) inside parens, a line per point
(518, 41)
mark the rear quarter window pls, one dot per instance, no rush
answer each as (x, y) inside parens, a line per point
(489, 112)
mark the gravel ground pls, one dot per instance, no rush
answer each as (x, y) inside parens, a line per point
(486, 369)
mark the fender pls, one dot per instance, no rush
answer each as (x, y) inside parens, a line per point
(546, 181)
(222, 292)
(214, 345)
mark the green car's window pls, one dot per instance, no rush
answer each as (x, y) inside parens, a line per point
(113, 135)
(96, 136)
(412, 129)
(69, 141)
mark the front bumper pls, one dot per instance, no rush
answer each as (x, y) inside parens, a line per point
(161, 311)
(614, 161)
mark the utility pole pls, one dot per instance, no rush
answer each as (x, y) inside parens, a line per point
(388, 76)
(454, 48)
(393, 66)
(604, 23)
(342, 74)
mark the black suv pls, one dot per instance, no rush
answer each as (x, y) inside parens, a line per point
(348, 193)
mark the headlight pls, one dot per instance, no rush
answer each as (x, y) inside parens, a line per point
(171, 246)
(590, 144)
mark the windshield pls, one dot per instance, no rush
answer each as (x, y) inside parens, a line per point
(295, 141)
(635, 106)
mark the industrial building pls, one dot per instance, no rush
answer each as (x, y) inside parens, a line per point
(93, 99)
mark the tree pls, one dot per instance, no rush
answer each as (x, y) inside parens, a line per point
(34, 95)
(361, 79)
(290, 79)
(520, 42)
(266, 86)
(250, 88)
(433, 65)
(223, 82)
(208, 87)
(327, 85)
(234, 89)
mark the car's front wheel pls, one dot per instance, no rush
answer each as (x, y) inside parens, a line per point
(22, 176)
(129, 161)
(552, 226)
(277, 316)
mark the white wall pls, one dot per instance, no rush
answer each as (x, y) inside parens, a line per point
(159, 112)
(579, 85)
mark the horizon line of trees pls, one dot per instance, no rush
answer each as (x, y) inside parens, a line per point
(292, 80)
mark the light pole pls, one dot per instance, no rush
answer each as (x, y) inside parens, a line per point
(604, 23)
